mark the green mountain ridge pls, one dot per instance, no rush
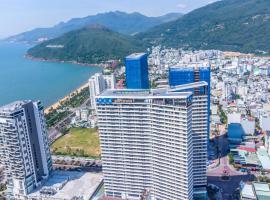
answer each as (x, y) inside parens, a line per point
(125, 23)
(235, 25)
(230, 25)
(93, 44)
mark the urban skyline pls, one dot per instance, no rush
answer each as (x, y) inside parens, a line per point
(116, 108)
(175, 107)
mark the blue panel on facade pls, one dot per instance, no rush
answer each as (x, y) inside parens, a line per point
(137, 71)
(184, 75)
(104, 101)
(204, 74)
(180, 76)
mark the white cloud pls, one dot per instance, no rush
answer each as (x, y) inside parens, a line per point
(182, 6)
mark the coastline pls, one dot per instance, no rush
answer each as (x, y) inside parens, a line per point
(58, 103)
(67, 97)
(63, 61)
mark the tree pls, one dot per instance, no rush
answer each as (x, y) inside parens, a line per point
(230, 156)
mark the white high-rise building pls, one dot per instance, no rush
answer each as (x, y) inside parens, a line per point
(200, 134)
(110, 82)
(98, 83)
(24, 148)
(148, 141)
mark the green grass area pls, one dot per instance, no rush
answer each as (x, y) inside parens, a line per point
(81, 142)
(55, 117)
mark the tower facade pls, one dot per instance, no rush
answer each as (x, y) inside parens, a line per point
(137, 71)
(200, 133)
(147, 143)
(97, 84)
(186, 74)
(24, 147)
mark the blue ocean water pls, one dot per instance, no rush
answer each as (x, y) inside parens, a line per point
(21, 78)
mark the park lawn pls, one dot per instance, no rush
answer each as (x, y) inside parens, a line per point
(78, 142)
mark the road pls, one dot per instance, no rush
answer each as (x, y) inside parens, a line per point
(235, 177)
(55, 132)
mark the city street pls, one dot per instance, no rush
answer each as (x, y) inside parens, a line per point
(235, 177)
(55, 132)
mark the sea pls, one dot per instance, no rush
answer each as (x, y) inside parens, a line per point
(23, 79)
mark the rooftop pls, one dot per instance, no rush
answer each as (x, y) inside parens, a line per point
(264, 158)
(143, 94)
(188, 86)
(262, 191)
(136, 55)
(235, 131)
(64, 185)
(191, 66)
(14, 106)
(248, 192)
(147, 93)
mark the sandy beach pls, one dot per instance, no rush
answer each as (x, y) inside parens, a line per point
(57, 104)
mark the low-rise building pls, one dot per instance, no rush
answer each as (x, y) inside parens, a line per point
(68, 185)
(235, 133)
(264, 158)
(255, 191)
(248, 125)
(267, 142)
(234, 118)
(265, 122)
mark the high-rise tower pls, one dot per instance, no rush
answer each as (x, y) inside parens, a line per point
(147, 141)
(137, 71)
(192, 73)
(200, 133)
(24, 148)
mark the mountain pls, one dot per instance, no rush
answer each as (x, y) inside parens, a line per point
(236, 25)
(117, 21)
(92, 44)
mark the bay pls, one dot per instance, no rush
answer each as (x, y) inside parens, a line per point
(22, 78)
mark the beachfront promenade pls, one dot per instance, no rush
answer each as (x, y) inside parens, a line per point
(67, 97)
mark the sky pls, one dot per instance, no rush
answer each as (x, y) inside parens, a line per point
(17, 16)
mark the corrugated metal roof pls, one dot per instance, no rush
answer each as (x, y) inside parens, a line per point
(264, 158)
(248, 192)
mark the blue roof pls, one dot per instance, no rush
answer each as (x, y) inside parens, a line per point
(181, 69)
(235, 131)
(136, 56)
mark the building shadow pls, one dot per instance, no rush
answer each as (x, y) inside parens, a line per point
(220, 146)
(230, 188)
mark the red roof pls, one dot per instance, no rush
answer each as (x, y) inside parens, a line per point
(247, 149)
(232, 104)
(120, 84)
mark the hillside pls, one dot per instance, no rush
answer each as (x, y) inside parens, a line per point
(117, 21)
(236, 25)
(93, 44)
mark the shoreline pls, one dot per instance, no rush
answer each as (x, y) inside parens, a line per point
(65, 98)
(63, 61)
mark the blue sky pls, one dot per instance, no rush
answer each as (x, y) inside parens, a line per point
(21, 15)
